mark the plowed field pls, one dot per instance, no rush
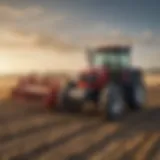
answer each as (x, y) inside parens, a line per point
(27, 132)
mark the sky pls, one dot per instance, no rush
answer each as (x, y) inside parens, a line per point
(52, 34)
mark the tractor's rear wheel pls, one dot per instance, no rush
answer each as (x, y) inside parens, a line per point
(115, 106)
(137, 96)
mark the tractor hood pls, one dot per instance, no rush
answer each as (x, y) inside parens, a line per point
(94, 71)
(93, 77)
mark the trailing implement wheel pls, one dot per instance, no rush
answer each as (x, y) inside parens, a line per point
(51, 100)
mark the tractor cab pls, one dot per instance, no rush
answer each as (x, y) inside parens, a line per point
(112, 57)
(106, 64)
(116, 60)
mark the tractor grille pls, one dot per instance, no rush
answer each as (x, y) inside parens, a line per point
(88, 78)
(116, 76)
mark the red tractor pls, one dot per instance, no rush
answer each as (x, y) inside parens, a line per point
(110, 82)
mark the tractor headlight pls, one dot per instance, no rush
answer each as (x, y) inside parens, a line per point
(77, 93)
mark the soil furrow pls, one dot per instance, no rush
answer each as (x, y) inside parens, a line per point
(33, 130)
(38, 141)
(59, 141)
(81, 142)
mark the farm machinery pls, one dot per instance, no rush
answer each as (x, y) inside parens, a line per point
(34, 87)
(111, 83)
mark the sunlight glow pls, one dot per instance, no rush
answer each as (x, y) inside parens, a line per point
(21, 61)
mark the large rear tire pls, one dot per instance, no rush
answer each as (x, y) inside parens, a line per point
(115, 106)
(137, 96)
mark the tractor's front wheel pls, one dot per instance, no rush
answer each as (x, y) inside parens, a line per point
(67, 103)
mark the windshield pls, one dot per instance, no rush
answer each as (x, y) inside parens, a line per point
(111, 59)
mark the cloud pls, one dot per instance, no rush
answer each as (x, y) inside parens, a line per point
(23, 39)
(67, 42)
(116, 36)
(9, 13)
(33, 18)
(113, 37)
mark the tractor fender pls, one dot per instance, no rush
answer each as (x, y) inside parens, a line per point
(135, 75)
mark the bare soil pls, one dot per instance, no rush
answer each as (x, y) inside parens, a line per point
(28, 132)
